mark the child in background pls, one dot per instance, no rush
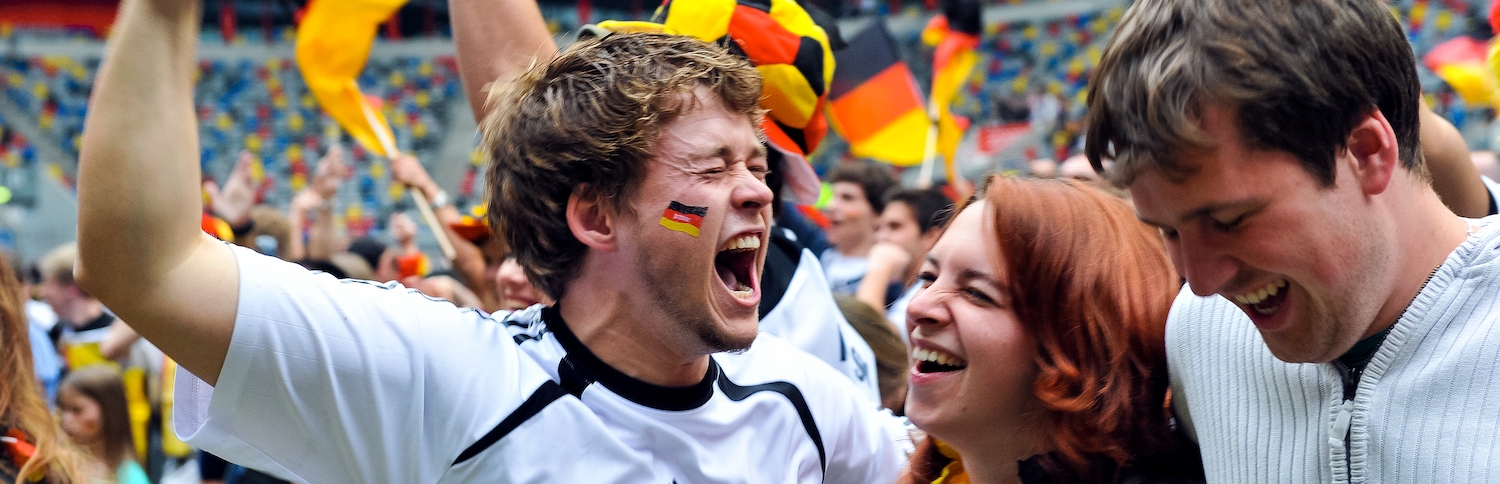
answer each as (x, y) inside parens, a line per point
(95, 417)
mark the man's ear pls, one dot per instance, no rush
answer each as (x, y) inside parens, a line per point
(1372, 146)
(591, 221)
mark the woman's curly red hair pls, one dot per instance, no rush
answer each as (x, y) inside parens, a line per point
(1093, 286)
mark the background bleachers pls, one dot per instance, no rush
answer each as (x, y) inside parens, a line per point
(1036, 57)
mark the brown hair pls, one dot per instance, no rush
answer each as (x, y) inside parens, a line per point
(1299, 73)
(58, 263)
(1093, 286)
(875, 179)
(891, 356)
(104, 385)
(586, 123)
(22, 406)
(268, 221)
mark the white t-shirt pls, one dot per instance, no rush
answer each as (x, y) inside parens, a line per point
(350, 381)
(330, 381)
(808, 318)
(772, 413)
(844, 271)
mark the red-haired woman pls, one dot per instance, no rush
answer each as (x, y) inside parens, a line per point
(1037, 344)
(31, 448)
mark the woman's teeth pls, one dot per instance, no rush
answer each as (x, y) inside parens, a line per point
(1255, 297)
(936, 361)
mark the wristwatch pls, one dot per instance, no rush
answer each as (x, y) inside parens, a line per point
(440, 199)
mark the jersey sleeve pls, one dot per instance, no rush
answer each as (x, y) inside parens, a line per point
(331, 380)
(808, 318)
(864, 443)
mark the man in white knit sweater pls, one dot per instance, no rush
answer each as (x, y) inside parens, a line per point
(1337, 324)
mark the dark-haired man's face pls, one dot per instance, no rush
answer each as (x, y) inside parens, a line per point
(898, 225)
(701, 218)
(1306, 263)
(851, 218)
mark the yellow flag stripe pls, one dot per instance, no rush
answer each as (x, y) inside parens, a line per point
(683, 227)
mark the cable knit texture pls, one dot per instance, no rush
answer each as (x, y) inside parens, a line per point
(1427, 408)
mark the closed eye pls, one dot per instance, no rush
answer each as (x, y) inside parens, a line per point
(979, 296)
(1229, 226)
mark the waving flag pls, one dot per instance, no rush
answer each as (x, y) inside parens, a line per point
(1461, 62)
(793, 54)
(876, 104)
(955, 33)
(333, 43)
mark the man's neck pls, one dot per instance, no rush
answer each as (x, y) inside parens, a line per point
(1425, 232)
(629, 338)
(81, 313)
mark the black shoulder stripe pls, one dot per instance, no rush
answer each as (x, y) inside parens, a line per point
(790, 391)
(545, 395)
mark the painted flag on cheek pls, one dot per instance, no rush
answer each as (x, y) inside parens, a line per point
(683, 218)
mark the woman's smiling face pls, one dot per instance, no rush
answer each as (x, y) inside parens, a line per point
(973, 362)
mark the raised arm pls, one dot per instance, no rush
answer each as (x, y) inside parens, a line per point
(140, 248)
(315, 202)
(497, 40)
(1454, 177)
(468, 258)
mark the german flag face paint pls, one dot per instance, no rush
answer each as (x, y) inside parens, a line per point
(683, 218)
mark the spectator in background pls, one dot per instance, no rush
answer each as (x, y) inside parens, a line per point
(312, 215)
(1044, 362)
(1042, 168)
(911, 222)
(380, 257)
(45, 360)
(96, 419)
(1077, 167)
(858, 191)
(270, 232)
(478, 257)
(28, 434)
(515, 290)
(892, 363)
(82, 320)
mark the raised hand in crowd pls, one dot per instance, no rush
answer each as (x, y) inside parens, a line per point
(233, 200)
(469, 259)
(315, 202)
(888, 261)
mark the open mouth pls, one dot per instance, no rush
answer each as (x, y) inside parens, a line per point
(932, 361)
(1266, 300)
(735, 265)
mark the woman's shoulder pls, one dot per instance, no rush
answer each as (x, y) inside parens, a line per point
(131, 472)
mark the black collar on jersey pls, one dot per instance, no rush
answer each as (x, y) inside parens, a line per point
(103, 321)
(580, 367)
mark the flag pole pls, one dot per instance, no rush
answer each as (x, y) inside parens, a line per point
(389, 146)
(929, 152)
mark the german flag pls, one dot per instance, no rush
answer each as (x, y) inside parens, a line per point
(876, 104)
(1461, 62)
(955, 33)
(683, 218)
(792, 52)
